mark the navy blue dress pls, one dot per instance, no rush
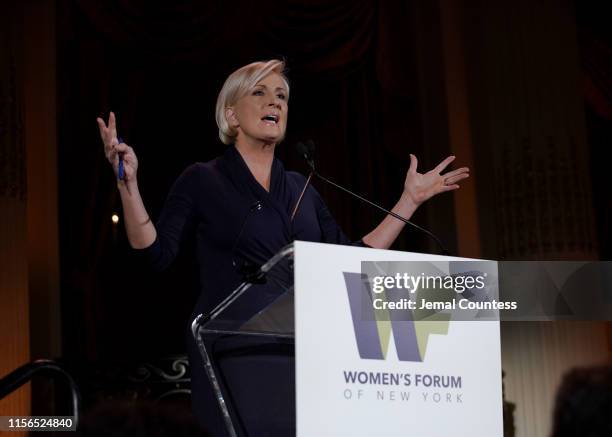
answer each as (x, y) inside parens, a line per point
(235, 220)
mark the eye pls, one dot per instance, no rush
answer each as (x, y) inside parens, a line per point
(258, 93)
(281, 96)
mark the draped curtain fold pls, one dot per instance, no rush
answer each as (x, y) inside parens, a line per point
(596, 56)
(595, 42)
(320, 35)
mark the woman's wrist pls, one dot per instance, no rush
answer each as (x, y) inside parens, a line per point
(407, 203)
(131, 186)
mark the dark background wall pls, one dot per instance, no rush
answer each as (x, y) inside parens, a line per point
(159, 66)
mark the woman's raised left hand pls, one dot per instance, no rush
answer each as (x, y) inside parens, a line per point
(422, 186)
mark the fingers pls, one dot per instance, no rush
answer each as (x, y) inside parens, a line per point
(101, 126)
(119, 149)
(103, 131)
(113, 158)
(456, 178)
(440, 167)
(115, 150)
(449, 188)
(413, 163)
(456, 172)
(111, 148)
(127, 153)
(108, 133)
(123, 148)
(112, 125)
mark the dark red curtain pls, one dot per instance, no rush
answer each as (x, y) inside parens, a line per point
(595, 44)
(159, 66)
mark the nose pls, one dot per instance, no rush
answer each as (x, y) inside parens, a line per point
(275, 102)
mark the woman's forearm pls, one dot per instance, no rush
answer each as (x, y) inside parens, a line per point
(140, 230)
(383, 236)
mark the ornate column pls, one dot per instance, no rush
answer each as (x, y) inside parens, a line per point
(14, 300)
(29, 253)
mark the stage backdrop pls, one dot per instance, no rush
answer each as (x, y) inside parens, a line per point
(355, 90)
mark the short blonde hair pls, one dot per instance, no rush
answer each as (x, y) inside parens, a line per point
(237, 85)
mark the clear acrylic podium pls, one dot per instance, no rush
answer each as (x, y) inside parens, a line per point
(259, 308)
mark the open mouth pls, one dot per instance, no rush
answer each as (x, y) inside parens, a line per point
(271, 118)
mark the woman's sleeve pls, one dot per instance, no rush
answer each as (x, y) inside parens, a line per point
(177, 219)
(330, 229)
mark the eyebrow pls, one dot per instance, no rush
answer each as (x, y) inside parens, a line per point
(277, 88)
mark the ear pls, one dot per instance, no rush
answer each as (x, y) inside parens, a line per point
(231, 118)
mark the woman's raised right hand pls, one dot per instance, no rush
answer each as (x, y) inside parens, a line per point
(114, 150)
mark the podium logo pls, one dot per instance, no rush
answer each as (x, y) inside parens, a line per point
(373, 327)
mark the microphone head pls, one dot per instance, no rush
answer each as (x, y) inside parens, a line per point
(302, 150)
(306, 151)
(311, 147)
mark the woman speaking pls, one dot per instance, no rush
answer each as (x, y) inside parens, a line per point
(239, 206)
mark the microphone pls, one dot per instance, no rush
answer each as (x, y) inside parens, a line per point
(307, 151)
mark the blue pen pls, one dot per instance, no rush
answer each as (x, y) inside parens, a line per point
(120, 172)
